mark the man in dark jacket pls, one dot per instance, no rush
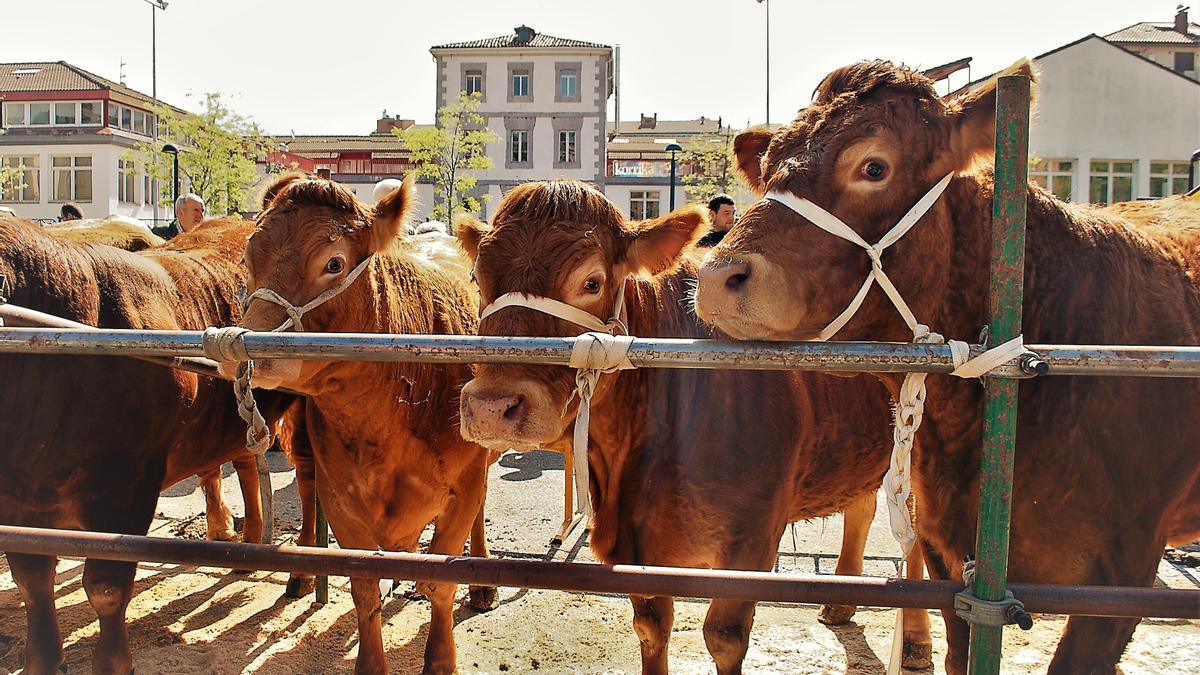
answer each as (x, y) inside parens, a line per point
(721, 212)
(189, 212)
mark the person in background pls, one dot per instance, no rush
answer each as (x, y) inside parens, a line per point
(189, 212)
(721, 212)
(69, 212)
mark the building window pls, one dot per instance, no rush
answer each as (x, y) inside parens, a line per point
(1110, 182)
(567, 147)
(643, 204)
(14, 114)
(473, 83)
(126, 181)
(72, 178)
(1056, 175)
(147, 189)
(568, 83)
(39, 114)
(24, 189)
(1168, 178)
(519, 146)
(66, 114)
(520, 83)
(1185, 63)
(89, 113)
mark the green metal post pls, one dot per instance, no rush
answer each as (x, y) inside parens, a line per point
(322, 542)
(1000, 402)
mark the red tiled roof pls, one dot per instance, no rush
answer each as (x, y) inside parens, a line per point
(1159, 33)
(52, 76)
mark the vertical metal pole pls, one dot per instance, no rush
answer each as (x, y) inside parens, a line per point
(322, 542)
(768, 61)
(672, 180)
(1000, 402)
(154, 94)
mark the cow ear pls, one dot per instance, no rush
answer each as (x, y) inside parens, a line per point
(280, 183)
(656, 246)
(973, 118)
(749, 148)
(393, 203)
(470, 231)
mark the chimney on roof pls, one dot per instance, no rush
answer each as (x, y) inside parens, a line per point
(385, 124)
(524, 34)
(648, 122)
(1181, 19)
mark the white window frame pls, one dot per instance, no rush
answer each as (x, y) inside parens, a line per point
(523, 77)
(640, 202)
(568, 75)
(126, 181)
(30, 164)
(73, 170)
(119, 111)
(147, 189)
(475, 77)
(518, 146)
(26, 117)
(1176, 170)
(1109, 175)
(1046, 170)
(568, 146)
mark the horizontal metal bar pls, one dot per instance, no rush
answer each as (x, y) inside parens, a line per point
(883, 357)
(623, 579)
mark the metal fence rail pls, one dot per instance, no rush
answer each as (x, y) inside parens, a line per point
(878, 357)
(623, 579)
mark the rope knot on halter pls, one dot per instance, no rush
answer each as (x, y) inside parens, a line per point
(597, 351)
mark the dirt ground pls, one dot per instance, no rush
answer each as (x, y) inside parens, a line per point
(190, 620)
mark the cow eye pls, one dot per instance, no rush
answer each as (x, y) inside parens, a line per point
(592, 285)
(874, 170)
(335, 265)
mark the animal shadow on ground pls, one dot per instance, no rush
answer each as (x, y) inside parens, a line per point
(530, 465)
(860, 658)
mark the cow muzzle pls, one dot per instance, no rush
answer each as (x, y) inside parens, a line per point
(515, 415)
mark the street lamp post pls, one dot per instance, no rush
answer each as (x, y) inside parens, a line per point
(673, 148)
(155, 6)
(168, 148)
(768, 6)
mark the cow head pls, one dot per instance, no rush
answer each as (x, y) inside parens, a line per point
(309, 237)
(876, 138)
(566, 241)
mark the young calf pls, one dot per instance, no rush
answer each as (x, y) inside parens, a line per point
(692, 468)
(389, 458)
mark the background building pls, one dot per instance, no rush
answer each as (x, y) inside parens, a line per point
(70, 129)
(545, 97)
(638, 174)
(1175, 45)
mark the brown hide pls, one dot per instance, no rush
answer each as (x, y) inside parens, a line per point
(90, 441)
(389, 458)
(1107, 469)
(696, 468)
(115, 233)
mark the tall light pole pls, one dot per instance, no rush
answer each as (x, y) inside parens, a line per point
(174, 152)
(768, 4)
(155, 6)
(673, 148)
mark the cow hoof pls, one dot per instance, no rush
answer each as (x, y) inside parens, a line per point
(917, 655)
(299, 586)
(482, 598)
(242, 572)
(836, 615)
(223, 535)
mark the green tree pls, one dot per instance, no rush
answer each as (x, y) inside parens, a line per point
(713, 172)
(218, 149)
(12, 179)
(450, 152)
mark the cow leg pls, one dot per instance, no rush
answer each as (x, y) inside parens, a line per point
(958, 632)
(652, 619)
(300, 452)
(217, 515)
(449, 536)
(481, 598)
(109, 588)
(34, 575)
(918, 644)
(727, 633)
(252, 524)
(367, 605)
(856, 525)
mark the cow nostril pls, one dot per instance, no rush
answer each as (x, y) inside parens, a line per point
(516, 410)
(735, 281)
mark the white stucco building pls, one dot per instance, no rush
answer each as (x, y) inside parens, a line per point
(545, 98)
(1111, 125)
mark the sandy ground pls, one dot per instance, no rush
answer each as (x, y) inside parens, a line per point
(189, 620)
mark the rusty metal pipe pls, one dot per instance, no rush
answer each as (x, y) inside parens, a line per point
(623, 579)
(645, 352)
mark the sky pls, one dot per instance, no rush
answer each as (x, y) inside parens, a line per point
(316, 66)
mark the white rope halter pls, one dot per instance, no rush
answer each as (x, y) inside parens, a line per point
(600, 350)
(910, 408)
(228, 344)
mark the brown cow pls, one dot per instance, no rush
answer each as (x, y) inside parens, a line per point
(693, 468)
(389, 459)
(1107, 469)
(89, 442)
(133, 236)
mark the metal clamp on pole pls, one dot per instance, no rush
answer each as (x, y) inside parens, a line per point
(986, 613)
